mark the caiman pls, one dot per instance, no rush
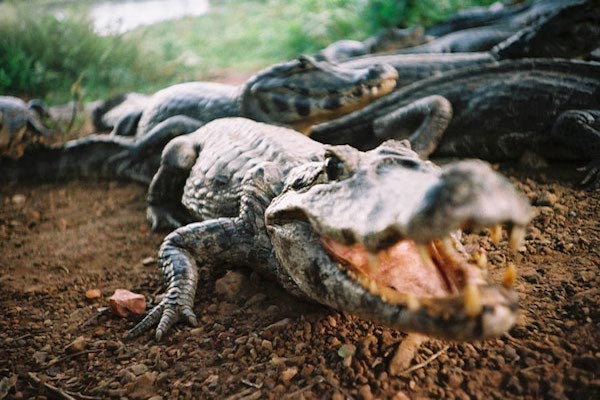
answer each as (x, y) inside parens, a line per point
(20, 125)
(518, 16)
(495, 112)
(571, 31)
(386, 40)
(298, 94)
(371, 233)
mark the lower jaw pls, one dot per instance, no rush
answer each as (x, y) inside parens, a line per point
(419, 274)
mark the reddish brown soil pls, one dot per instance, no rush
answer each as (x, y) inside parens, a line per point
(63, 239)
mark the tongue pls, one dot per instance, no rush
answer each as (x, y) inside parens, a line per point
(399, 266)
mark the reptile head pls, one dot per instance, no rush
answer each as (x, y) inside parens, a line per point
(377, 234)
(304, 92)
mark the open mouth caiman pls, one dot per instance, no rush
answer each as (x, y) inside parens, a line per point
(371, 233)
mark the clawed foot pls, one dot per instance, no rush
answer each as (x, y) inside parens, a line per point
(591, 181)
(164, 315)
(161, 218)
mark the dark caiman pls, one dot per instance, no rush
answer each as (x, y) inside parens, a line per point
(518, 16)
(374, 233)
(386, 40)
(494, 112)
(572, 31)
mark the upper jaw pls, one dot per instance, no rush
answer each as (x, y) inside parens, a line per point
(377, 209)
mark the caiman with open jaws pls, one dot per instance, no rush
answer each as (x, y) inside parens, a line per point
(371, 233)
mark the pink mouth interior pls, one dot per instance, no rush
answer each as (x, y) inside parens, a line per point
(400, 267)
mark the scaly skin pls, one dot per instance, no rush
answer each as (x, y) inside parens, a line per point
(299, 93)
(518, 16)
(243, 193)
(494, 112)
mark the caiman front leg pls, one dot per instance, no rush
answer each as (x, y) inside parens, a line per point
(234, 241)
(580, 131)
(422, 122)
(165, 210)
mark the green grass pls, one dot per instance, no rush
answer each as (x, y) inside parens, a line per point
(43, 57)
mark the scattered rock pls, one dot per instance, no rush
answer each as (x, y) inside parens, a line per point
(92, 294)
(7, 383)
(211, 381)
(148, 261)
(40, 357)
(365, 392)
(124, 303)
(142, 387)
(19, 199)
(546, 199)
(79, 344)
(406, 352)
(138, 369)
(288, 374)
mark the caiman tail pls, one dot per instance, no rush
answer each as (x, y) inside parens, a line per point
(95, 157)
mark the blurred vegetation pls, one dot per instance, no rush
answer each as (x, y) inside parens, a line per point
(42, 56)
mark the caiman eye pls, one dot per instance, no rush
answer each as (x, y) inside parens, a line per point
(304, 62)
(334, 168)
(297, 184)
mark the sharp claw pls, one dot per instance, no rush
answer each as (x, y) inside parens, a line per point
(591, 180)
(189, 316)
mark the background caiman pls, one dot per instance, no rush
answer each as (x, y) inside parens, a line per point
(299, 93)
(494, 112)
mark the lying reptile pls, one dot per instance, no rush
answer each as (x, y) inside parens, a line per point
(518, 16)
(496, 112)
(414, 67)
(464, 41)
(368, 233)
(20, 125)
(299, 94)
(572, 31)
(386, 40)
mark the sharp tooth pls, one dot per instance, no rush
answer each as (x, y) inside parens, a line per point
(510, 276)
(384, 298)
(373, 287)
(480, 258)
(425, 255)
(373, 262)
(412, 303)
(472, 300)
(496, 233)
(517, 235)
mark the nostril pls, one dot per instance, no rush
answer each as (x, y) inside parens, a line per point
(375, 72)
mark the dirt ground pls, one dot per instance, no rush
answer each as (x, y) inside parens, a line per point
(254, 341)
